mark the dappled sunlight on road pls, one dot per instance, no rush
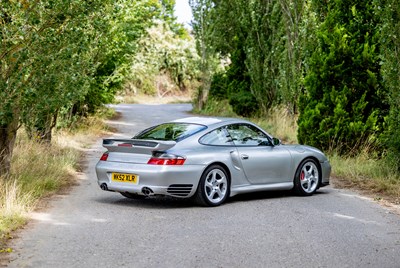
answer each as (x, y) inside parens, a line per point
(342, 216)
(46, 217)
(122, 123)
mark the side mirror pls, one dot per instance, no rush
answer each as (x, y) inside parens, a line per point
(276, 141)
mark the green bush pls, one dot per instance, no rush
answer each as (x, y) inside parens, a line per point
(243, 103)
(344, 103)
(218, 88)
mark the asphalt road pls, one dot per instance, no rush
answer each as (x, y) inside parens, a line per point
(93, 228)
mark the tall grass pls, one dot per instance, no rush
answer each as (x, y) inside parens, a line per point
(376, 176)
(14, 204)
(279, 123)
(39, 170)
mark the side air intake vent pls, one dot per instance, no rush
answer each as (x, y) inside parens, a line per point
(180, 189)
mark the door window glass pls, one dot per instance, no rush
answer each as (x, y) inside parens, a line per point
(247, 135)
(216, 137)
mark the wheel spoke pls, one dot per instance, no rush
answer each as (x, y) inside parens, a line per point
(220, 181)
(208, 184)
(219, 193)
(211, 194)
(214, 176)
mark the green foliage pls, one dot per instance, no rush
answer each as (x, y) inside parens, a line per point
(234, 85)
(203, 32)
(390, 40)
(218, 88)
(270, 35)
(163, 54)
(64, 55)
(216, 107)
(243, 102)
(263, 49)
(126, 22)
(298, 25)
(343, 105)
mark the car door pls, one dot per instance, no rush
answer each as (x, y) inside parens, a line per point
(263, 163)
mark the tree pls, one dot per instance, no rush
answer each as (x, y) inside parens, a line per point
(162, 53)
(202, 30)
(390, 44)
(343, 104)
(30, 43)
(297, 23)
(63, 55)
(267, 37)
(126, 23)
(263, 50)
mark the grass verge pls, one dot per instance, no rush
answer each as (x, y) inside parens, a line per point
(39, 170)
(374, 177)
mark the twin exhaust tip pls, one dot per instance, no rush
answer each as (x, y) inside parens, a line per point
(145, 190)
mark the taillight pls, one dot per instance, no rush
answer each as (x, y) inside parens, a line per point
(166, 159)
(104, 157)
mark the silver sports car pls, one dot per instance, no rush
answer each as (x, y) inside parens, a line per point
(209, 160)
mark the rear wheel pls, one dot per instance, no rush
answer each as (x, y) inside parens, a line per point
(213, 187)
(307, 177)
(132, 196)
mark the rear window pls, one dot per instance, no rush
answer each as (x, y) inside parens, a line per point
(170, 132)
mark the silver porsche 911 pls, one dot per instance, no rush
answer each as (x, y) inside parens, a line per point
(209, 160)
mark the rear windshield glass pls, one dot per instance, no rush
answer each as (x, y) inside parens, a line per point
(170, 132)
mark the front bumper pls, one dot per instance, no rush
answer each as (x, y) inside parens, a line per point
(326, 173)
(178, 181)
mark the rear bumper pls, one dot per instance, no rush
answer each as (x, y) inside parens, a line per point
(178, 181)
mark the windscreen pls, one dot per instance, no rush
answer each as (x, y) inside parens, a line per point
(170, 132)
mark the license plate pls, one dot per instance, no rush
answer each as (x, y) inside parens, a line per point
(119, 177)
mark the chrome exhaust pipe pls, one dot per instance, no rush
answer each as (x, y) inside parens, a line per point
(147, 191)
(104, 187)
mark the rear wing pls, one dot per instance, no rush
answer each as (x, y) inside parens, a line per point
(137, 146)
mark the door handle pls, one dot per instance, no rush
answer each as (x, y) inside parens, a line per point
(245, 156)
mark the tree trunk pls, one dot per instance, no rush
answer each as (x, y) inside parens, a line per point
(8, 134)
(42, 129)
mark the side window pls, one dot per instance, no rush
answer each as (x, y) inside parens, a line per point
(247, 135)
(216, 137)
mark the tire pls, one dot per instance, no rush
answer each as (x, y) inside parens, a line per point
(214, 187)
(132, 196)
(307, 178)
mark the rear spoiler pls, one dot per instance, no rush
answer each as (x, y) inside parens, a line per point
(136, 146)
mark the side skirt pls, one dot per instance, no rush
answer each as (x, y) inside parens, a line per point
(241, 189)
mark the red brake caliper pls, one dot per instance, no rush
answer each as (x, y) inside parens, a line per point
(302, 175)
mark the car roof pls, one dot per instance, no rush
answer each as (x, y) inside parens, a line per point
(209, 121)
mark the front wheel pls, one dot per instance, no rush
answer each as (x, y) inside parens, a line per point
(213, 187)
(307, 177)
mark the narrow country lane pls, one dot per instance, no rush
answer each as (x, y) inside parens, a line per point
(92, 228)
